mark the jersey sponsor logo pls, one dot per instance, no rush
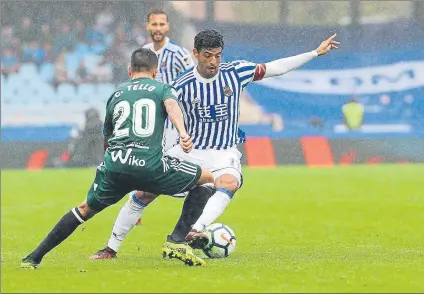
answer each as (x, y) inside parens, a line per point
(212, 113)
(128, 158)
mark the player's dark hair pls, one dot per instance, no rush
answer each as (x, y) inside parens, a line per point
(208, 39)
(143, 60)
(156, 11)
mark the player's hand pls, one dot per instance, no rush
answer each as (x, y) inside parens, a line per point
(185, 142)
(327, 45)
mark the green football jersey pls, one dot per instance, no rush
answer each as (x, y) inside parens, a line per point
(134, 122)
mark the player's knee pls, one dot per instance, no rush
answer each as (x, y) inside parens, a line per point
(206, 177)
(228, 182)
(146, 197)
(85, 211)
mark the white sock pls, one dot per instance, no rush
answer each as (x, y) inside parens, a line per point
(213, 209)
(126, 220)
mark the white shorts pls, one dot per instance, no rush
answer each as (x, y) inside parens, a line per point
(171, 136)
(219, 162)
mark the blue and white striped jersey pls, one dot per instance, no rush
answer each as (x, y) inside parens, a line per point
(211, 107)
(173, 60)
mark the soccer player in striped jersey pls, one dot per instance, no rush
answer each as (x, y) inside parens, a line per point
(173, 59)
(209, 95)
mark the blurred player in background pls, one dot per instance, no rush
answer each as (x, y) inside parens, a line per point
(353, 114)
(210, 96)
(173, 60)
(134, 157)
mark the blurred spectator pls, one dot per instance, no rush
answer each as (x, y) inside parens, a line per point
(87, 148)
(79, 29)
(105, 19)
(48, 52)
(6, 36)
(9, 62)
(61, 75)
(353, 113)
(82, 74)
(138, 34)
(94, 35)
(66, 39)
(122, 33)
(34, 53)
(27, 31)
(46, 35)
(103, 72)
(120, 71)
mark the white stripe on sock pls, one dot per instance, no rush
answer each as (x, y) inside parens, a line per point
(77, 215)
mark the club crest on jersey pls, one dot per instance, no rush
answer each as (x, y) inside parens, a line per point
(187, 60)
(196, 100)
(227, 91)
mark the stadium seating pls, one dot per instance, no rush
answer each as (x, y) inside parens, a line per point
(47, 72)
(82, 49)
(66, 93)
(91, 60)
(72, 61)
(28, 70)
(85, 92)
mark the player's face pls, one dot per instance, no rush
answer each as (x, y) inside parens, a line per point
(157, 27)
(208, 61)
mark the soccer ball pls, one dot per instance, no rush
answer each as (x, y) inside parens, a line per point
(222, 241)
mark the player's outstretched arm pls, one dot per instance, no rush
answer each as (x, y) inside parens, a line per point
(176, 116)
(284, 65)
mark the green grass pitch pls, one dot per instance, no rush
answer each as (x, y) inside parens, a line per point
(341, 229)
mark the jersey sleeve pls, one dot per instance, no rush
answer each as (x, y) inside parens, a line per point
(248, 71)
(184, 60)
(169, 93)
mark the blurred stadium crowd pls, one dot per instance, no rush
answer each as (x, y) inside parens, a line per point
(70, 51)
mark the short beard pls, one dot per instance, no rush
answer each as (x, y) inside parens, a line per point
(154, 40)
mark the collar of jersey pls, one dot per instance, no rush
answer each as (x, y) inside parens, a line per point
(202, 79)
(163, 47)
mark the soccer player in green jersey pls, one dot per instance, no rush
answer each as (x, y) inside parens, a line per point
(134, 158)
